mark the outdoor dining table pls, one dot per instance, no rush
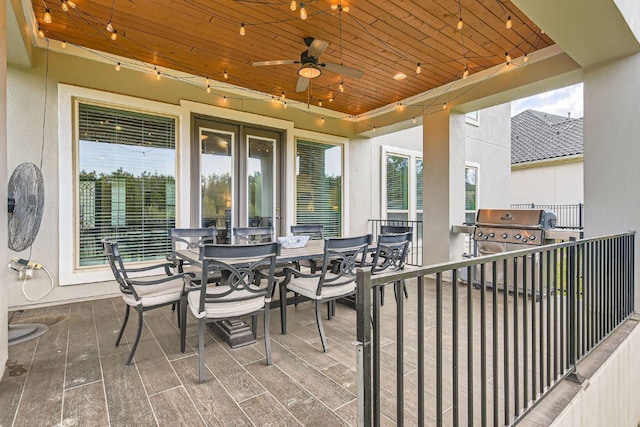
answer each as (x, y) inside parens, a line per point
(236, 332)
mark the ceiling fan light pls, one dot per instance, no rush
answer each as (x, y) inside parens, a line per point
(400, 76)
(309, 71)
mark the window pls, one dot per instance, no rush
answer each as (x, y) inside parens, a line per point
(402, 188)
(471, 193)
(126, 175)
(319, 186)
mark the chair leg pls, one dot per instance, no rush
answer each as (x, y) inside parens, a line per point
(135, 344)
(283, 309)
(124, 324)
(404, 288)
(201, 349)
(178, 317)
(183, 323)
(254, 326)
(381, 295)
(320, 329)
(267, 337)
(328, 310)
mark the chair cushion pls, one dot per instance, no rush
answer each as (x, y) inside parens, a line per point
(161, 293)
(308, 286)
(221, 309)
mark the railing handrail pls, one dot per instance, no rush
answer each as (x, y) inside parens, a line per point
(579, 291)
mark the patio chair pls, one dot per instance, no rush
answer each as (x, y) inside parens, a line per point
(143, 294)
(237, 295)
(391, 255)
(252, 235)
(336, 279)
(396, 229)
(189, 238)
(314, 231)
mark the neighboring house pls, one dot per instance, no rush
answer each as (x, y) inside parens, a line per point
(546, 159)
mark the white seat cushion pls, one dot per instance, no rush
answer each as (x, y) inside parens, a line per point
(308, 286)
(156, 294)
(221, 309)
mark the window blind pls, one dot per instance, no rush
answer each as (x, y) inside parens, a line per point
(319, 186)
(419, 203)
(126, 180)
(397, 183)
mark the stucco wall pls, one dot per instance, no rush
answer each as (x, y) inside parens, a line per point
(3, 182)
(558, 184)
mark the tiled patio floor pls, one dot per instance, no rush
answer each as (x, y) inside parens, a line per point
(74, 375)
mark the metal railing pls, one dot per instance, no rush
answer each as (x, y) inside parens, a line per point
(568, 216)
(415, 250)
(487, 351)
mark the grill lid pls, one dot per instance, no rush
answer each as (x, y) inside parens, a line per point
(516, 218)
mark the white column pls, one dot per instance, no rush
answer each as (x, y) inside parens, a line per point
(4, 339)
(443, 184)
(612, 151)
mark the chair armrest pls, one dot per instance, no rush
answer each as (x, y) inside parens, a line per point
(158, 281)
(166, 265)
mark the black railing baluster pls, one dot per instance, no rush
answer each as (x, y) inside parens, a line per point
(399, 354)
(525, 334)
(439, 397)
(534, 293)
(516, 346)
(556, 322)
(496, 339)
(376, 354)
(505, 326)
(469, 349)
(454, 342)
(483, 343)
(421, 381)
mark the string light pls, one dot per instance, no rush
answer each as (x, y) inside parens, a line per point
(71, 4)
(413, 120)
(109, 27)
(40, 32)
(242, 31)
(526, 58)
(465, 74)
(460, 24)
(444, 106)
(64, 6)
(293, 5)
(419, 68)
(303, 12)
(319, 103)
(322, 119)
(226, 76)
(118, 66)
(509, 23)
(206, 81)
(285, 105)
(208, 89)
(334, 6)
(507, 57)
(47, 16)
(374, 128)
(114, 35)
(158, 75)
(341, 87)
(282, 97)
(331, 99)
(63, 44)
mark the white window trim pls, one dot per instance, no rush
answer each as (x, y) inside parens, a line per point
(273, 177)
(474, 121)
(67, 158)
(477, 167)
(412, 156)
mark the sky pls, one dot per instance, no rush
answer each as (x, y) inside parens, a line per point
(560, 102)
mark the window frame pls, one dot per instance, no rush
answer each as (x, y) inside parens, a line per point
(476, 166)
(344, 177)
(69, 98)
(413, 156)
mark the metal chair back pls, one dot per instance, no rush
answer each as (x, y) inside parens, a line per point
(314, 231)
(252, 235)
(342, 256)
(391, 252)
(395, 229)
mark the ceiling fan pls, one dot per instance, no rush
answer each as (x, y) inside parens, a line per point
(311, 67)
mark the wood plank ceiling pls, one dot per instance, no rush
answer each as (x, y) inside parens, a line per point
(379, 37)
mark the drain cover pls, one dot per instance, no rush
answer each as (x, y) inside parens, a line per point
(21, 332)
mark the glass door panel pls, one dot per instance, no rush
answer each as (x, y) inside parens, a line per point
(261, 180)
(216, 180)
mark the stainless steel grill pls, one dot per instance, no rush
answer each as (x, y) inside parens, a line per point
(513, 226)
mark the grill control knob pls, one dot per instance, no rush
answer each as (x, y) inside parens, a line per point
(517, 236)
(524, 240)
(492, 234)
(505, 235)
(480, 233)
(532, 238)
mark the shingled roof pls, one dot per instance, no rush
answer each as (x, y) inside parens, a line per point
(539, 136)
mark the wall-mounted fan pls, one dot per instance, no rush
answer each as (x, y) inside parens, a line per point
(311, 67)
(25, 208)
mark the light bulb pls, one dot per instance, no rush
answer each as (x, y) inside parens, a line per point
(208, 89)
(114, 35)
(63, 44)
(413, 120)
(40, 32)
(118, 66)
(345, 9)
(509, 23)
(334, 6)
(47, 16)
(330, 99)
(110, 27)
(460, 24)
(526, 58)
(282, 97)
(322, 119)
(319, 103)
(418, 68)
(374, 128)
(206, 81)
(285, 105)
(293, 5)
(303, 12)
(64, 6)
(226, 76)
(341, 87)
(466, 73)
(224, 98)
(507, 57)
(242, 31)
(444, 106)
(157, 72)
(71, 4)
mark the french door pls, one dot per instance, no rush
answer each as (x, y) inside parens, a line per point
(236, 176)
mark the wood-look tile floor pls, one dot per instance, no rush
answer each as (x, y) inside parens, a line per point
(73, 375)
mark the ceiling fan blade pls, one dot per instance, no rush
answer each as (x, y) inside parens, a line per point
(317, 48)
(276, 62)
(302, 85)
(343, 70)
